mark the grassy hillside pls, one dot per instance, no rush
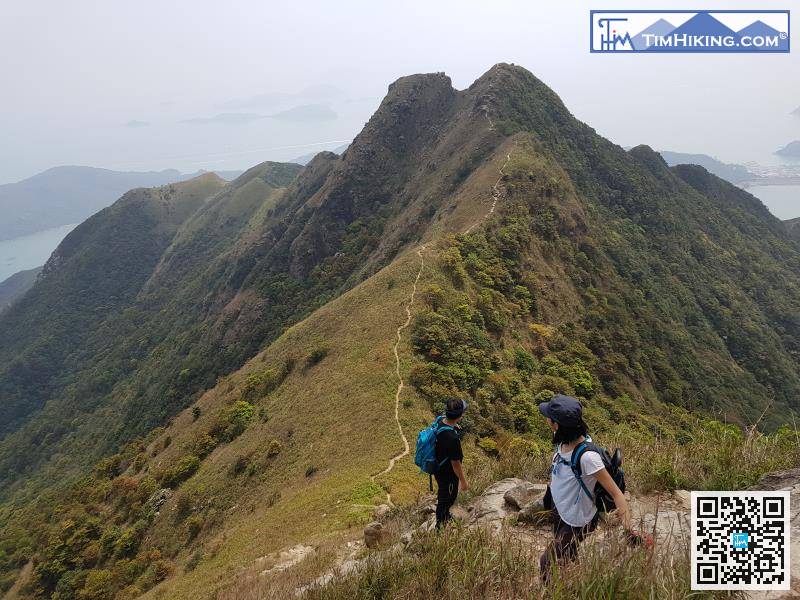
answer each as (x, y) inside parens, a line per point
(247, 382)
(64, 195)
(93, 275)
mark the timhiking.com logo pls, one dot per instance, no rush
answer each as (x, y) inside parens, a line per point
(689, 31)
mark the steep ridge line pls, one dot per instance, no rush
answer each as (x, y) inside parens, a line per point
(495, 195)
(400, 383)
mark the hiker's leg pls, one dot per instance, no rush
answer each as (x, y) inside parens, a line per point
(445, 498)
(564, 547)
(555, 550)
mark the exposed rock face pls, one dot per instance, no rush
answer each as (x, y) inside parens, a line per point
(534, 512)
(158, 498)
(491, 507)
(286, 559)
(522, 494)
(375, 534)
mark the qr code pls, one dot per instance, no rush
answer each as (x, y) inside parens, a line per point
(740, 540)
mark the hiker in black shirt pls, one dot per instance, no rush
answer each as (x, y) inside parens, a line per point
(450, 476)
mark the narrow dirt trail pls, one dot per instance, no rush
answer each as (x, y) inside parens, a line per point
(399, 334)
(495, 195)
(400, 382)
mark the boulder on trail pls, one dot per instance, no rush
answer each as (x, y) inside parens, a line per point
(523, 493)
(490, 507)
(375, 534)
(534, 512)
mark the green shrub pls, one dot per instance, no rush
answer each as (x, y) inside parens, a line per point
(193, 561)
(524, 361)
(240, 464)
(202, 445)
(274, 448)
(194, 525)
(238, 417)
(258, 385)
(316, 355)
(489, 446)
(453, 265)
(99, 585)
(186, 466)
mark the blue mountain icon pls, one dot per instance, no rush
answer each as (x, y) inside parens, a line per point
(759, 28)
(702, 24)
(660, 28)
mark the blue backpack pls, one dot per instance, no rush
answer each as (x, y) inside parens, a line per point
(425, 454)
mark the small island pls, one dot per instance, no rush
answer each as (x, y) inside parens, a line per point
(791, 150)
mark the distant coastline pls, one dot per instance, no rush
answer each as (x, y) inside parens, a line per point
(776, 180)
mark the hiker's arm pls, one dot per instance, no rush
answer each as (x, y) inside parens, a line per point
(604, 479)
(459, 471)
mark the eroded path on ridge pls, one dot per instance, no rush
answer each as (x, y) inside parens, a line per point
(399, 333)
(495, 195)
(400, 382)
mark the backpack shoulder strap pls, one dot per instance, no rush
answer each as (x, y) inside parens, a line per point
(575, 465)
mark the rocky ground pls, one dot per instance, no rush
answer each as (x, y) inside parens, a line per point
(514, 506)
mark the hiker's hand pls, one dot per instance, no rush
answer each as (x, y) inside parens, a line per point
(639, 539)
(621, 517)
(626, 520)
(625, 516)
(463, 485)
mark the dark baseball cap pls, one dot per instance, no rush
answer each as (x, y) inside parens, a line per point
(564, 410)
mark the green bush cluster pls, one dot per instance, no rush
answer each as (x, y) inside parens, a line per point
(176, 474)
(260, 384)
(92, 545)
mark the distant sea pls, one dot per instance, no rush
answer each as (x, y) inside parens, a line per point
(30, 251)
(783, 201)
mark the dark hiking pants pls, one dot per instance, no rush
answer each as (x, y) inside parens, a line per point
(564, 547)
(445, 498)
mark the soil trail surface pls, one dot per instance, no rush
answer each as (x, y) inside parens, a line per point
(400, 382)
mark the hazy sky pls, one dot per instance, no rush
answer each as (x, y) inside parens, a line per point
(110, 83)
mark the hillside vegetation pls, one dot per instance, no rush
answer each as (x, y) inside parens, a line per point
(236, 392)
(64, 195)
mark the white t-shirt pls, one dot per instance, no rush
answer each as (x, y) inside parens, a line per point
(574, 506)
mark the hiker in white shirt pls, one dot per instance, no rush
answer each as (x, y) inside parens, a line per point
(573, 499)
